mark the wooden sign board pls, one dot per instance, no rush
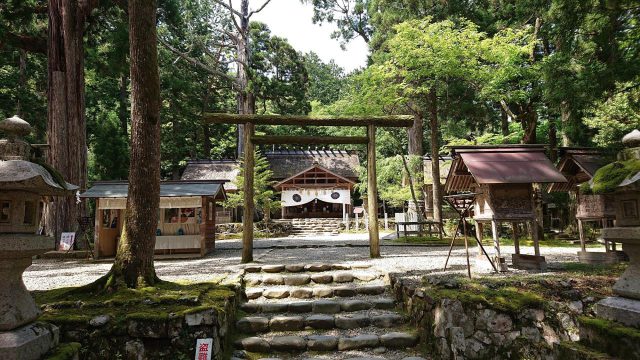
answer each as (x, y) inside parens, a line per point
(66, 241)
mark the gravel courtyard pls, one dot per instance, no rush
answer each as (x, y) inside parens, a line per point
(346, 249)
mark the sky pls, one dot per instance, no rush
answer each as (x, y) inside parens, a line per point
(292, 20)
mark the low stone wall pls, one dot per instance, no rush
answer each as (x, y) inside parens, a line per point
(451, 329)
(144, 336)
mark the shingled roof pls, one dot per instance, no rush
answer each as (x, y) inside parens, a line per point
(284, 164)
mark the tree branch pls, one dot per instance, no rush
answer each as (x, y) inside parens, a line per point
(28, 43)
(259, 9)
(195, 62)
(506, 108)
(228, 7)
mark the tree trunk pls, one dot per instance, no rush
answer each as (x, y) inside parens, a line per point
(565, 121)
(435, 152)
(122, 106)
(529, 118)
(66, 133)
(415, 135)
(134, 266)
(553, 141)
(246, 101)
(504, 122)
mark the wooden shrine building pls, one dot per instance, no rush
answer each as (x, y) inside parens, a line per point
(311, 183)
(501, 180)
(579, 165)
(186, 221)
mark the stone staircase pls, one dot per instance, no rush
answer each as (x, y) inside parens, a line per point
(321, 311)
(314, 227)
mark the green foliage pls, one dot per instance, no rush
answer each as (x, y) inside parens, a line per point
(615, 116)
(326, 80)
(64, 351)
(262, 187)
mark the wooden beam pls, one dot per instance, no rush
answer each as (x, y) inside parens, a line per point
(372, 194)
(382, 121)
(249, 205)
(308, 140)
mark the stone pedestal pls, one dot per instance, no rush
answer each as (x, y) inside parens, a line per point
(20, 338)
(529, 262)
(598, 258)
(624, 308)
(29, 342)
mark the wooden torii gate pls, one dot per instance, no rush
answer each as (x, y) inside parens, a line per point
(250, 140)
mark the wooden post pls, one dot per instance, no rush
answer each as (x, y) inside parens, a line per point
(372, 191)
(96, 230)
(357, 222)
(536, 239)
(516, 241)
(386, 221)
(583, 244)
(479, 235)
(247, 217)
(496, 240)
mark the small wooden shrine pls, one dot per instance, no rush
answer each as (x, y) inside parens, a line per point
(501, 179)
(186, 219)
(579, 165)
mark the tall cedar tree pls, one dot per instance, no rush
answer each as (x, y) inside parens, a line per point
(262, 187)
(134, 266)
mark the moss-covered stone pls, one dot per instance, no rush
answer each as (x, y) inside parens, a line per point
(66, 351)
(608, 177)
(610, 337)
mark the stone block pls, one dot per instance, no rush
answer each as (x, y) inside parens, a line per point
(623, 310)
(354, 305)
(286, 323)
(383, 304)
(349, 321)
(371, 290)
(294, 268)
(322, 292)
(529, 262)
(29, 342)
(300, 307)
(317, 267)
(273, 268)
(322, 278)
(273, 280)
(253, 324)
(326, 307)
(204, 317)
(386, 320)
(322, 343)
(147, 328)
(288, 343)
(274, 307)
(255, 344)
(320, 321)
(358, 342)
(398, 340)
(253, 293)
(302, 293)
(297, 280)
(276, 293)
(343, 277)
(344, 291)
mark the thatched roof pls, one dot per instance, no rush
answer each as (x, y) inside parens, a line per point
(225, 170)
(284, 164)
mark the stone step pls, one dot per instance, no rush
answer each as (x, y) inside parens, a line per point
(337, 340)
(309, 321)
(297, 268)
(379, 353)
(314, 291)
(306, 278)
(319, 306)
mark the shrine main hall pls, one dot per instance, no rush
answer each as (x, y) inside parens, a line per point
(311, 183)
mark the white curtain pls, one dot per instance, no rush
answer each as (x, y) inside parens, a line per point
(304, 196)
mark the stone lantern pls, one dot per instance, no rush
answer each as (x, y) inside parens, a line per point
(25, 187)
(625, 175)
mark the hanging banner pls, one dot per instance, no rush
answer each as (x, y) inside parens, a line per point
(305, 196)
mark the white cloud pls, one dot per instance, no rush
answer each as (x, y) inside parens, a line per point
(292, 20)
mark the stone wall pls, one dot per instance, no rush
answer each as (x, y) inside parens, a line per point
(144, 336)
(450, 329)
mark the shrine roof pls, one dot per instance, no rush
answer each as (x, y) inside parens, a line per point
(217, 170)
(120, 189)
(513, 164)
(578, 165)
(286, 164)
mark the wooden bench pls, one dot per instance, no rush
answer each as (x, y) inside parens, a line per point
(421, 225)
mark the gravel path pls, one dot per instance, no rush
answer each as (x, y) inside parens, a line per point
(346, 248)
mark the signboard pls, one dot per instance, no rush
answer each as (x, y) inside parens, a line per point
(204, 348)
(66, 241)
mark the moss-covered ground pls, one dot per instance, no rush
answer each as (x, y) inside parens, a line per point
(512, 293)
(70, 305)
